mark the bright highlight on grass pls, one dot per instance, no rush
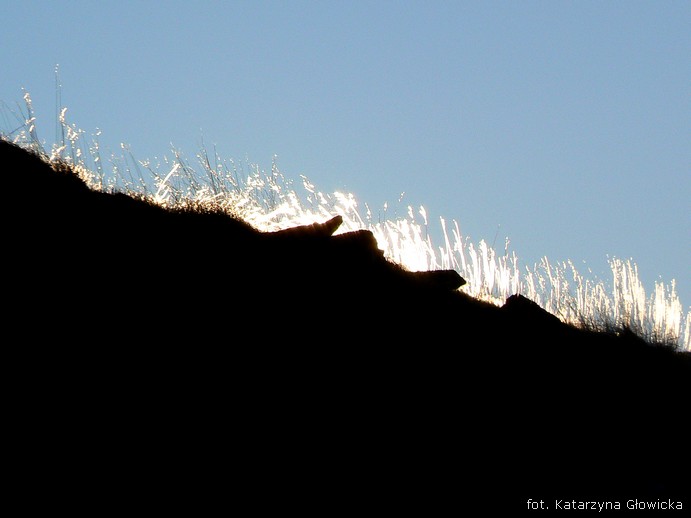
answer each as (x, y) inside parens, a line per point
(269, 201)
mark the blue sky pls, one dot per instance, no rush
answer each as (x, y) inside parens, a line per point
(564, 126)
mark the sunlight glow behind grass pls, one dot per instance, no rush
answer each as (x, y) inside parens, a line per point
(269, 201)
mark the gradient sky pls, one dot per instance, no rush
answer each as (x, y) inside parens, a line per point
(564, 126)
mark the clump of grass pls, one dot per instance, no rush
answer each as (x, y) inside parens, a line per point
(270, 201)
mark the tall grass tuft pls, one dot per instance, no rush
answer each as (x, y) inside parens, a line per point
(270, 201)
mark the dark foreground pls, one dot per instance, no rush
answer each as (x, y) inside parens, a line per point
(180, 360)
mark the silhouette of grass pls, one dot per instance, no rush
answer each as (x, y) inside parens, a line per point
(187, 338)
(270, 201)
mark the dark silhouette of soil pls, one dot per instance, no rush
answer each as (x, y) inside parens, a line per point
(185, 358)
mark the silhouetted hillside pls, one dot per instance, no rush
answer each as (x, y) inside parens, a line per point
(182, 356)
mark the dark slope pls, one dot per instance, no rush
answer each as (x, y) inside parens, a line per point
(183, 357)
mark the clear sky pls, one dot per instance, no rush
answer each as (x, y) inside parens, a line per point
(562, 125)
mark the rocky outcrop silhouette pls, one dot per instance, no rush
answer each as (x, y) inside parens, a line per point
(182, 357)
